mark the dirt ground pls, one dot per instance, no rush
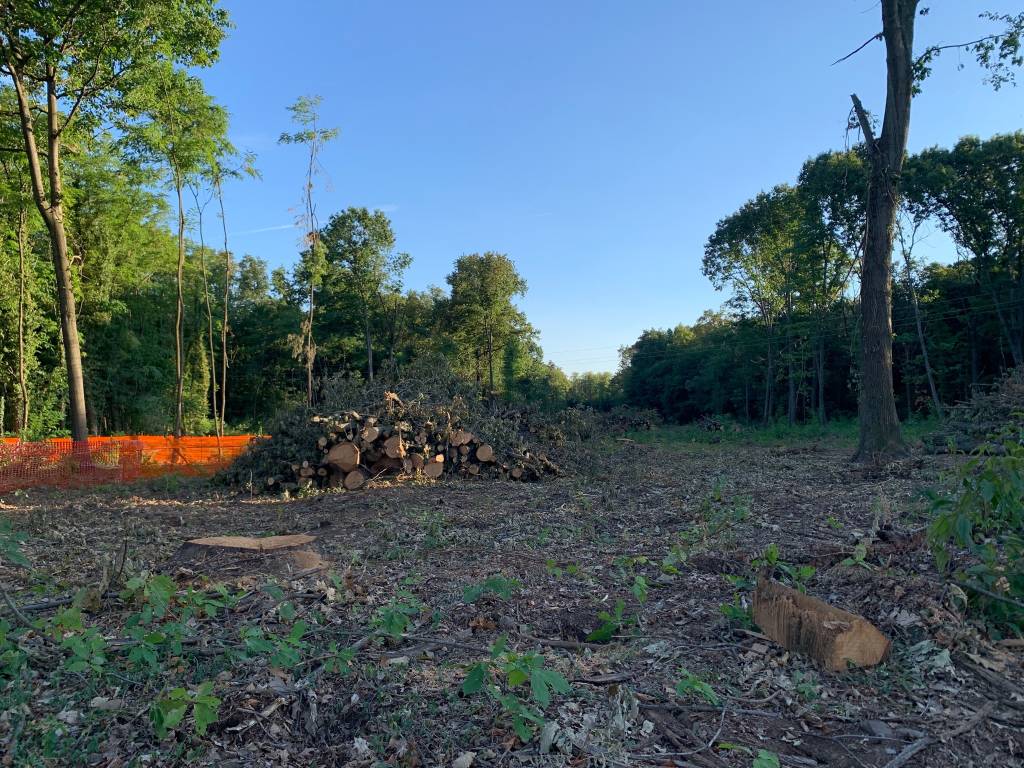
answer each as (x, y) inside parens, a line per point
(681, 517)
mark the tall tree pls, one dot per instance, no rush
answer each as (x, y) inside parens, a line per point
(751, 252)
(481, 309)
(359, 247)
(306, 115)
(66, 58)
(879, 424)
(180, 127)
(975, 194)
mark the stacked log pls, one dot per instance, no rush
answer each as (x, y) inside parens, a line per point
(354, 448)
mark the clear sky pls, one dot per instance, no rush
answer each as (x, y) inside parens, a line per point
(595, 142)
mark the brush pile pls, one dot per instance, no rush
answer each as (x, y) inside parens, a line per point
(394, 439)
(986, 415)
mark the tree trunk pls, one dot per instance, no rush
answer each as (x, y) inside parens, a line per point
(369, 348)
(224, 322)
(822, 415)
(179, 317)
(879, 424)
(22, 367)
(51, 208)
(769, 382)
(490, 362)
(209, 315)
(936, 402)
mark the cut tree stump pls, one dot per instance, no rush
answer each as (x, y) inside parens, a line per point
(834, 638)
(246, 555)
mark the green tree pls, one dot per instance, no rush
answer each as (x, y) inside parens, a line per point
(481, 314)
(66, 59)
(359, 247)
(879, 424)
(975, 194)
(306, 115)
(179, 126)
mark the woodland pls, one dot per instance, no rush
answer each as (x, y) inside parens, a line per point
(788, 534)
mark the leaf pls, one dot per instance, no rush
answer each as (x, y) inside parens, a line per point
(765, 759)
(475, 679)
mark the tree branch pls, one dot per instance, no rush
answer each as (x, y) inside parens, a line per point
(859, 48)
(865, 123)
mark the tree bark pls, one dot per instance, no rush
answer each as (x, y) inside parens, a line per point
(369, 348)
(879, 423)
(822, 415)
(224, 323)
(51, 208)
(22, 368)
(209, 316)
(179, 341)
(490, 362)
(936, 402)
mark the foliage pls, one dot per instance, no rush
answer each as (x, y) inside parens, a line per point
(171, 708)
(983, 515)
(497, 585)
(611, 624)
(796, 576)
(506, 670)
(691, 685)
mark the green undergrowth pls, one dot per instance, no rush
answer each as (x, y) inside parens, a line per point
(841, 433)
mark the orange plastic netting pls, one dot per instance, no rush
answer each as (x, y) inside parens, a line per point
(62, 463)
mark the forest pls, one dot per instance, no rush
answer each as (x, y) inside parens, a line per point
(788, 533)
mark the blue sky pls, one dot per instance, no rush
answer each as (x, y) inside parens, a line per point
(594, 142)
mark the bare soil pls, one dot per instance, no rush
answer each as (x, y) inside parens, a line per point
(681, 517)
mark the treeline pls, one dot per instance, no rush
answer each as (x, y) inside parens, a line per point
(124, 308)
(126, 279)
(786, 344)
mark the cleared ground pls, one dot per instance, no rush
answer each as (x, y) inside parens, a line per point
(658, 525)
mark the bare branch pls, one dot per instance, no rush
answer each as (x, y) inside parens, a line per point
(859, 48)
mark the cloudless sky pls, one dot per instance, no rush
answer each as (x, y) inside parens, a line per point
(596, 143)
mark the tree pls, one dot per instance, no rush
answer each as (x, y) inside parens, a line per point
(68, 58)
(180, 127)
(481, 312)
(879, 424)
(751, 252)
(359, 247)
(831, 190)
(306, 114)
(974, 192)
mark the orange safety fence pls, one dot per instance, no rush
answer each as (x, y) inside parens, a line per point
(63, 463)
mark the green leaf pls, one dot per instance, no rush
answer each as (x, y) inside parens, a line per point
(475, 679)
(765, 759)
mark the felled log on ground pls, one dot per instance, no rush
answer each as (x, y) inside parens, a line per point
(834, 638)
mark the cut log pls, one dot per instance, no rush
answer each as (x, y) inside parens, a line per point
(461, 437)
(484, 452)
(344, 457)
(394, 447)
(516, 473)
(434, 469)
(834, 638)
(355, 479)
(417, 460)
(369, 434)
(474, 469)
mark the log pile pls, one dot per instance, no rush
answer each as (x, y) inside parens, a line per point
(348, 449)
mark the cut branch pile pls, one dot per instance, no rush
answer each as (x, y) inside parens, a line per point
(349, 449)
(987, 414)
